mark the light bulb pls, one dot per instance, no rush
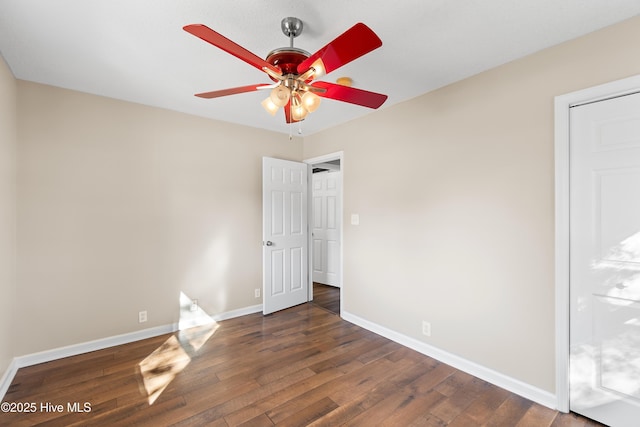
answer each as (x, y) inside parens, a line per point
(280, 96)
(311, 101)
(270, 106)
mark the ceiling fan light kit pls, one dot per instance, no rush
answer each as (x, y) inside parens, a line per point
(295, 71)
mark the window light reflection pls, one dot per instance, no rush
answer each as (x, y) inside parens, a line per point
(167, 361)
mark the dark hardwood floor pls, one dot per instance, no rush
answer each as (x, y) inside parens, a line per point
(327, 297)
(298, 367)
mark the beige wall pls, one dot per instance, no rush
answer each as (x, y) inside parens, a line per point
(8, 141)
(122, 207)
(455, 191)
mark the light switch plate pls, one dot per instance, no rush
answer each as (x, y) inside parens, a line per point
(355, 219)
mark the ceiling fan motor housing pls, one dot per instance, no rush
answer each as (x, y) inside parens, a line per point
(287, 59)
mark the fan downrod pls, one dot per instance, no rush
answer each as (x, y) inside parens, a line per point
(291, 27)
(288, 58)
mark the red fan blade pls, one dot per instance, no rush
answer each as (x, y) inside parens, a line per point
(352, 44)
(220, 41)
(231, 91)
(287, 113)
(350, 94)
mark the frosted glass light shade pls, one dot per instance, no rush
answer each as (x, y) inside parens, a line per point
(280, 96)
(298, 112)
(270, 106)
(310, 101)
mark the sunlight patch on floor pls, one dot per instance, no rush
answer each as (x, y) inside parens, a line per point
(172, 357)
(161, 367)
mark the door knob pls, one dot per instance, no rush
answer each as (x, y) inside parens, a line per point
(269, 243)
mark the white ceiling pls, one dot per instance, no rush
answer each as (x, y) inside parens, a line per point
(136, 50)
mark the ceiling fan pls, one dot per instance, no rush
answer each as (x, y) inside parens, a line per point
(295, 71)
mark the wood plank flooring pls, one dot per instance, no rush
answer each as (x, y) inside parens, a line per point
(304, 366)
(327, 297)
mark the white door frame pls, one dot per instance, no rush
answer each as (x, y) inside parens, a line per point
(562, 105)
(323, 159)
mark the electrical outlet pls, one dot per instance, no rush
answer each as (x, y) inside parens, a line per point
(142, 316)
(426, 328)
(256, 293)
(194, 305)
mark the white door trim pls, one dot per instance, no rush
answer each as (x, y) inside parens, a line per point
(312, 161)
(562, 105)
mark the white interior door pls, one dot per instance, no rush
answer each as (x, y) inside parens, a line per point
(285, 234)
(605, 260)
(326, 227)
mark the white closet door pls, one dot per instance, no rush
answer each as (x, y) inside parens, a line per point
(605, 261)
(326, 227)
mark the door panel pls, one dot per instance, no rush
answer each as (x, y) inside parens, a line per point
(277, 272)
(297, 278)
(620, 346)
(296, 214)
(277, 215)
(326, 228)
(605, 260)
(285, 281)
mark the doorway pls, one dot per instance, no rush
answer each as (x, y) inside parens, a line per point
(326, 225)
(597, 133)
(326, 297)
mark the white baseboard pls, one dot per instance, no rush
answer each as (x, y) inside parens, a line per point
(75, 349)
(86, 347)
(237, 313)
(513, 385)
(6, 379)
(496, 378)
